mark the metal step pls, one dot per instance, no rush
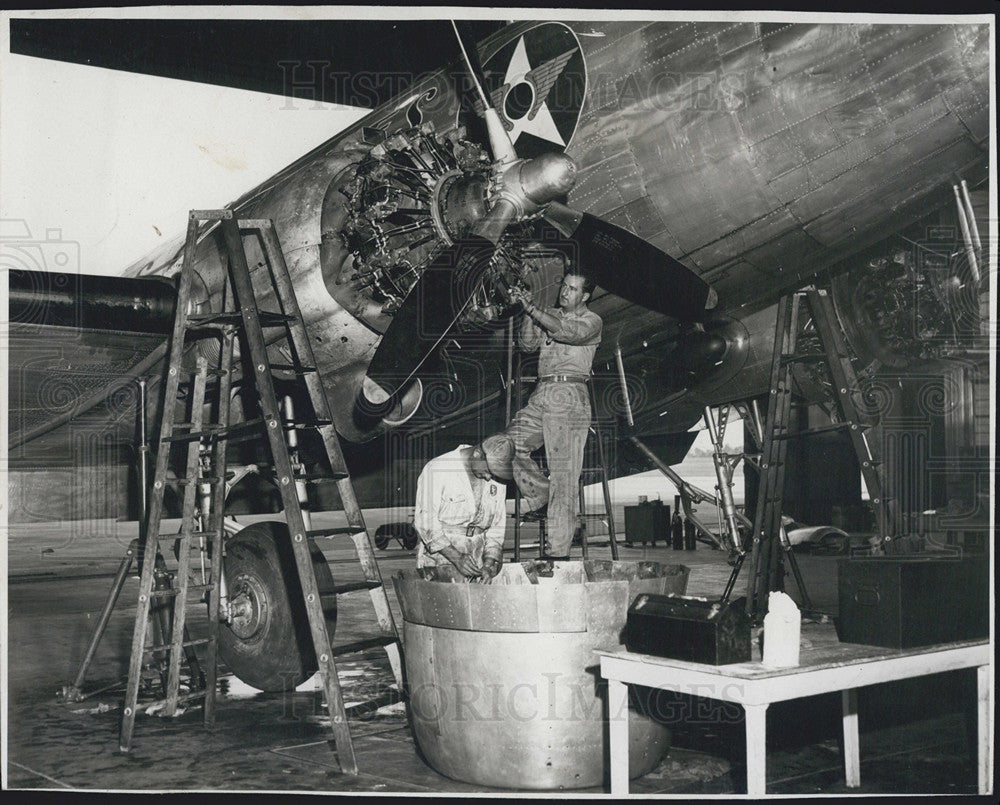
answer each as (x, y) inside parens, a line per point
(206, 479)
(210, 431)
(209, 372)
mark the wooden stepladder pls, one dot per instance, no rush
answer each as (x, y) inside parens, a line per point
(769, 538)
(205, 469)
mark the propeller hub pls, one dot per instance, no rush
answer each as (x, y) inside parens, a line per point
(530, 184)
(547, 177)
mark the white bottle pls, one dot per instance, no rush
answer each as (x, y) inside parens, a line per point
(782, 628)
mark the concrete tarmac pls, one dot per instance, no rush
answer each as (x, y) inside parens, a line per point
(915, 736)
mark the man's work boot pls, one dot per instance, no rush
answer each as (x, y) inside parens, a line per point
(536, 515)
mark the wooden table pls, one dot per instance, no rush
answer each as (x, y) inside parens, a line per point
(825, 666)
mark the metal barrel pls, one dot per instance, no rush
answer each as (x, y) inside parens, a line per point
(504, 688)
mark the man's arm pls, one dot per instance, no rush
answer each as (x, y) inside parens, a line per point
(530, 335)
(585, 330)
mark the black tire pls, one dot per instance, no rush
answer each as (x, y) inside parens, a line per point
(269, 645)
(408, 534)
(404, 532)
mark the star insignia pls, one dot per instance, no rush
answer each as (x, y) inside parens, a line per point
(538, 121)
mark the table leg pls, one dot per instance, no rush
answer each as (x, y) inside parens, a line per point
(618, 735)
(756, 727)
(852, 744)
(984, 728)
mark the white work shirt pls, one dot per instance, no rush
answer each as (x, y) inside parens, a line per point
(568, 350)
(449, 512)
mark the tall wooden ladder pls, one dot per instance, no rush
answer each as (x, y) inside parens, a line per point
(769, 538)
(241, 319)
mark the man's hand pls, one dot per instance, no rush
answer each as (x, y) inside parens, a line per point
(490, 568)
(466, 565)
(521, 294)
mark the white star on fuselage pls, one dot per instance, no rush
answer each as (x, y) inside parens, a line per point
(538, 121)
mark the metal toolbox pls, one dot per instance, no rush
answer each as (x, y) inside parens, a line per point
(689, 629)
(903, 602)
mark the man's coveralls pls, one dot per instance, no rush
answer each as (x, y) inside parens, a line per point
(558, 416)
(454, 508)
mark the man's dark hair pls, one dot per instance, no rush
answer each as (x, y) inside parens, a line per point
(588, 282)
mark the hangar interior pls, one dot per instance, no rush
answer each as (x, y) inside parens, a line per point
(823, 626)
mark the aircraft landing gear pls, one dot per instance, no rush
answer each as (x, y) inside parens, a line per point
(266, 640)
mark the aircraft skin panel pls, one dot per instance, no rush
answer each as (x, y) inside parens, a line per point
(788, 152)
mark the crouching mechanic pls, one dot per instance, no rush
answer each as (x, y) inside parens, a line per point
(461, 509)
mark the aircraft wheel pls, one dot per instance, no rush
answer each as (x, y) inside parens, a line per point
(409, 536)
(268, 643)
(381, 537)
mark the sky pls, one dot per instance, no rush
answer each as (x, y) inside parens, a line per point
(113, 161)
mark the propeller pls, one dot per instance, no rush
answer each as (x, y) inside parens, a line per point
(618, 260)
(427, 315)
(632, 267)
(446, 286)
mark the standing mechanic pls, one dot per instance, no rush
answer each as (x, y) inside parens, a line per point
(461, 511)
(558, 411)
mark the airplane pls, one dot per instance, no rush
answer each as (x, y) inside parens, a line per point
(699, 170)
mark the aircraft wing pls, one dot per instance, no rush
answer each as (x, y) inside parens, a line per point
(310, 59)
(76, 348)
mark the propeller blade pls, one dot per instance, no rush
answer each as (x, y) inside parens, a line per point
(500, 144)
(467, 44)
(633, 268)
(429, 313)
